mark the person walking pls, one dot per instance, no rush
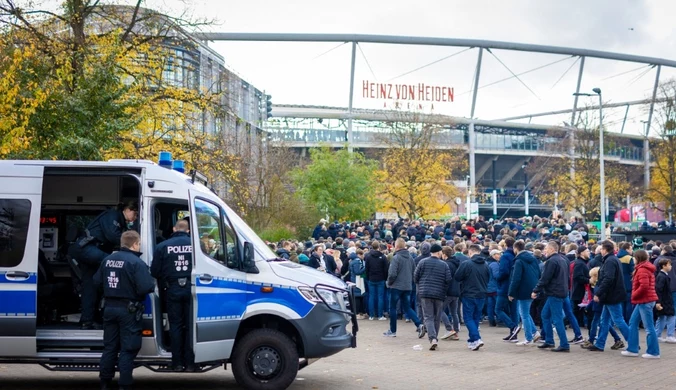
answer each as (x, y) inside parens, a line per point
(473, 277)
(433, 277)
(643, 295)
(493, 262)
(504, 309)
(554, 285)
(126, 282)
(399, 281)
(611, 293)
(664, 309)
(452, 297)
(376, 274)
(524, 279)
(580, 285)
(627, 262)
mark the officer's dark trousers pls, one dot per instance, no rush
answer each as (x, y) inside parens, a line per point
(90, 258)
(121, 334)
(179, 300)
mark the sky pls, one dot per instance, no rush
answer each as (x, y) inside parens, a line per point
(318, 73)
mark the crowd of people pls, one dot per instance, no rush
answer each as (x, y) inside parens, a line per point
(534, 276)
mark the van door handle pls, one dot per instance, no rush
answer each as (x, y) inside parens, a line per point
(17, 275)
(206, 278)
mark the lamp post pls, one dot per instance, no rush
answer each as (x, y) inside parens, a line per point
(525, 188)
(597, 91)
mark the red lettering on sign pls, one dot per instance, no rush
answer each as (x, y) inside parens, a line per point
(419, 92)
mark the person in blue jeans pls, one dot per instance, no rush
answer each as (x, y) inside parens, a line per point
(553, 284)
(597, 309)
(643, 296)
(524, 279)
(473, 277)
(376, 269)
(570, 316)
(504, 309)
(610, 291)
(399, 280)
(494, 266)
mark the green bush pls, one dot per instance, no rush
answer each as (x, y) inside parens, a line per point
(276, 234)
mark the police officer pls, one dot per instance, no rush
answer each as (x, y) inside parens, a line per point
(172, 267)
(100, 238)
(126, 282)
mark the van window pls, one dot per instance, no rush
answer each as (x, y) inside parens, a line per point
(14, 221)
(217, 239)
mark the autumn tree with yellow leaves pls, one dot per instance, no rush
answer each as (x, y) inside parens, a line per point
(663, 172)
(95, 81)
(580, 192)
(417, 170)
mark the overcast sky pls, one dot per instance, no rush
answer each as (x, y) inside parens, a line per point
(298, 73)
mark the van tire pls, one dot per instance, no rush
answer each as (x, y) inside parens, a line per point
(265, 349)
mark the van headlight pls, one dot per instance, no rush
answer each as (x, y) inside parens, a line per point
(328, 296)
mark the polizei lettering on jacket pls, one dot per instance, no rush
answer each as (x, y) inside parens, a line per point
(114, 263)
(179, 249)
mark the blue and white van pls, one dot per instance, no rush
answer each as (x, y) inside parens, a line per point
(267, 318)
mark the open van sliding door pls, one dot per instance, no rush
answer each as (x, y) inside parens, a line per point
(20, 204)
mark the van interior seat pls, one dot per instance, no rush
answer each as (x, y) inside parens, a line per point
(71, 237)
(50, 292)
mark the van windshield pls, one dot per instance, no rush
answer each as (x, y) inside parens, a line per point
(249, 235)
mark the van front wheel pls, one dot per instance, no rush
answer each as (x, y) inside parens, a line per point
(265, 359)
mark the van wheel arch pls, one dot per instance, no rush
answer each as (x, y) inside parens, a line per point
(270, 321)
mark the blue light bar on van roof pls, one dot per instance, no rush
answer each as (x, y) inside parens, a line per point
(165, 160)
(179, 166)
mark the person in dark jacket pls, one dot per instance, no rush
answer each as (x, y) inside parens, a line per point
(627, 263)
(283, 251)
(504, 309)
(473, 276)
(433, 277)
(399, 281)
(126, 282)
(376, 274)
(453, 288)
(172, 267)
(553, 284)
(316, 260)
(664, 309)
(415, 301)
(597, 260)
(493, 261)
(318, 229)
(524, 278)
(667, 252)
(580, 285)
(610, 291)
(101, 238)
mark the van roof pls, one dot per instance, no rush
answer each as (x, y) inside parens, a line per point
(84, 164)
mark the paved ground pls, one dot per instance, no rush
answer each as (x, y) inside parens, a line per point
(380, 363)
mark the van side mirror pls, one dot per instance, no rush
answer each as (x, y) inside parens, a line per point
(249, 264)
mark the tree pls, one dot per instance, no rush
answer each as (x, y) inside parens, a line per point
(266, 197)
(339, 184)
(97, 81)
(581, 192)
(416, 174)
(663, 172)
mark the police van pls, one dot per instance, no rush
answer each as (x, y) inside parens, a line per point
(266, 317)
